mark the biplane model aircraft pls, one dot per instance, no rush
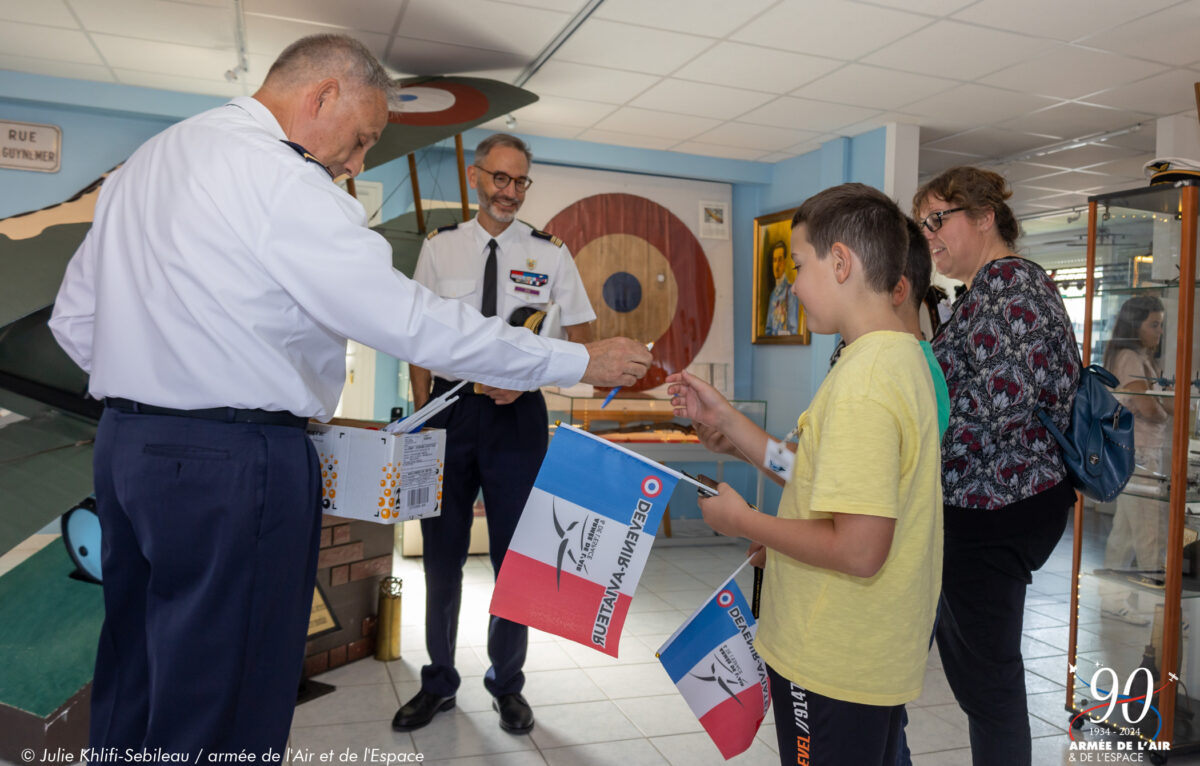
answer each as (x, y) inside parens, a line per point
(46, 447)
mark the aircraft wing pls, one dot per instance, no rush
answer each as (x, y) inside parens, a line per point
(425, 110)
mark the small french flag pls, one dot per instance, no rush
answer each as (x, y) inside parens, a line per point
(711, 659)
(583, 539)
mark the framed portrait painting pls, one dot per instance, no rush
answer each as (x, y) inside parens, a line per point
(778, 315)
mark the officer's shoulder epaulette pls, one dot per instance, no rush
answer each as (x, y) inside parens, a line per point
(547, 236)
(440, 229)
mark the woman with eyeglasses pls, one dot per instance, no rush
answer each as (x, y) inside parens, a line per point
(1007, 349)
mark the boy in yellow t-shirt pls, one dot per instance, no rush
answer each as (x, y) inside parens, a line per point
(853, 558)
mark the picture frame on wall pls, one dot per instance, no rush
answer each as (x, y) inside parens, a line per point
(778, 315)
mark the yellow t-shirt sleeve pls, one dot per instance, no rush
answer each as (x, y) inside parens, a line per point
(857, 468)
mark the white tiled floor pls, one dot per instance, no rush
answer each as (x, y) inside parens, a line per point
(592, 709)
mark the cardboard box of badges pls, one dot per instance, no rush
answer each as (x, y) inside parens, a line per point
(376, 476)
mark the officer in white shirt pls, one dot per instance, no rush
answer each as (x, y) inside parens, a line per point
(210, 303)
(496, 438)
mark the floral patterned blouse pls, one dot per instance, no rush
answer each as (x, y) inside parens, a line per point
(1007, 349)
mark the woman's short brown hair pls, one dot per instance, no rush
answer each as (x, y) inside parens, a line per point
(978, 191)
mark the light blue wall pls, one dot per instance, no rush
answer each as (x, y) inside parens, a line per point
(103, 123)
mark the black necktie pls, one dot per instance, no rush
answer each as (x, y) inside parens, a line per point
(488, 309)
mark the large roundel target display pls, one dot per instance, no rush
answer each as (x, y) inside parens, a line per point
(646, 275)
(435, 103)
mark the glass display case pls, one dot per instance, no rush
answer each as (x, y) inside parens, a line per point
(637, 419)
(1133, 655)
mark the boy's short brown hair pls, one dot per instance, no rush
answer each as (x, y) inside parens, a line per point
(863, 219)
(918, 266)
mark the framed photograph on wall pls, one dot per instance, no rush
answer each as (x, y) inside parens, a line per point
(778, 315)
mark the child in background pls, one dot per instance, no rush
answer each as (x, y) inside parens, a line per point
(854, 555)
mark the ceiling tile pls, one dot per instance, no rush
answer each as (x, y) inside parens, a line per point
(268, 35)
(1089, 154)
(530, 128)
(425, 57)
(56, 68)
(482, 24)
(969, 106)
(962, 51)
(204, 26)
(1072, 180)
(990, 142)
(368, 15)
(566, 6)
(68, 45)
(928, 7)
(1026, 193)
(1019, 172)
(557, 110)
(755, 136)
(624, 46)
(712, 150)
(163, 81)
(1168, 36)
(873, 87)
(52, 13)
(1071, 72)
(816, 116)
(1128, 167)
(626, 139)
(647, 122)
(711, 18)
(774, 157)
(1060, 20)
(878, 121)
(831, 28)
(1074, 120)
(755, 68)
(1160, 95)
(165, 58)
(562, 78)
(931, 161)
(700, 99)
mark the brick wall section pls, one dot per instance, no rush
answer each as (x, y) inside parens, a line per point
(353, 556)
(340, 554)
(378, 566)
(339, 575)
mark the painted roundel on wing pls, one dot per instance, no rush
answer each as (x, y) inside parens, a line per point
(646, 275)
(436, 103)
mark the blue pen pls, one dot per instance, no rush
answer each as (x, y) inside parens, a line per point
(611, 394)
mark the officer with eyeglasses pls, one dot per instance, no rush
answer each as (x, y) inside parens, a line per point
(495, 438)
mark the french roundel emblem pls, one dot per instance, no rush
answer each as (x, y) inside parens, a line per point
(646, 275)
(436, 102)
(652, 486)
(725, 598)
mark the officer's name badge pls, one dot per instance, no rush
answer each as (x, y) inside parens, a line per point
(527, 278)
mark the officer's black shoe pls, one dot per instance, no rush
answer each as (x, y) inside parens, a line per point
(420, 710)
(515, 715)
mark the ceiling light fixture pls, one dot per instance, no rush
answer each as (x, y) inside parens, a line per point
(239, 36)
(1067, 145)
(510, 122)
(552, 47)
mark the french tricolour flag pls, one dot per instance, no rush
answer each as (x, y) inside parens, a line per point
(581, 544)
(711, 659)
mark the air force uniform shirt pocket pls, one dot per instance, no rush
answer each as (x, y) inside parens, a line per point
(456, 288)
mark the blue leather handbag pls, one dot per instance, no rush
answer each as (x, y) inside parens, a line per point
(1098, 446)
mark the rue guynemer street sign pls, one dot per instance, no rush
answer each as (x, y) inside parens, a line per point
(30, 146)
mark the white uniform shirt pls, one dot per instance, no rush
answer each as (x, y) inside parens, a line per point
(222, 269)
(530, 271)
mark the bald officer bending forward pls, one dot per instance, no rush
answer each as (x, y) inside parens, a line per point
(211, 302)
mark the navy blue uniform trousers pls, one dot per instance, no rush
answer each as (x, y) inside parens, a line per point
(499, 448)
(210, 533)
